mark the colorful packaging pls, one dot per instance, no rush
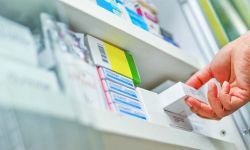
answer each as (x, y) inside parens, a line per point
(106, 74)
(116, 98)
(124, 109)
(111, 6)
(113, 58)
(136, 19)
(114, 87)
(17, 42)
(149, 5)
(150, 19)
(79, 47)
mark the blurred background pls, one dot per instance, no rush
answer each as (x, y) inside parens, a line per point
(70, 69)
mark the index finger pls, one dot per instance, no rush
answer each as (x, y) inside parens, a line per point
(200, 78)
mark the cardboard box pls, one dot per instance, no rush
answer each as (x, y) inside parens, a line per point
(124, 109)
(114, 87)
(12, 72)
(150, 19)
(116, 98)
(106, 74)
(173, 99)
(113, 58)
(16, 42)
(80, 81)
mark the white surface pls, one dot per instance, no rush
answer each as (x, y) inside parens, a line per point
(138, 131)
(173, 20)
(111, 127)
(209, 128)
(156, 59)
(37, 101)
(162, 87)
(204, 26)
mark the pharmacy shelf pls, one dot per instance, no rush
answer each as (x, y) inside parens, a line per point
(115, 131)
(122, 132)
(156, 59)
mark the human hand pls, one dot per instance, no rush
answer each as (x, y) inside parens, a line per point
(231, 68)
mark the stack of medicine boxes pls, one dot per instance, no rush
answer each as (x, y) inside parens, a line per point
(18, 59)
(141, 13)
(118, 76)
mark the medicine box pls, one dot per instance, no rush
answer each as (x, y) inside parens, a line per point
(14, 73)
(150, 19)
(114, 7)
(124, 109)
(173, 99)
(80, 81)
(116, 88)
(106, 74)
(113, 58)
(116, 98)
(137, 20)
(149, 5)
(16, 42)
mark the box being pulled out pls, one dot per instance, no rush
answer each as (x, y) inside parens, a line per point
(173, 99)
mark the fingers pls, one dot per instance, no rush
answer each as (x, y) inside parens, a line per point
(200, 78)
(221, 103)
(224, 96)
(201, 109)
(214, 100)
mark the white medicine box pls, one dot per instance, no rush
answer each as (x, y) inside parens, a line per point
(173, 99)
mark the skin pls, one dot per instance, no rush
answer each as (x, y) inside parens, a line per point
(231, 68)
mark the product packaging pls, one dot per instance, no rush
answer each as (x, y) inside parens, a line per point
(18, 74)
(150, 19)
(17, 42)
(173, 99)
(124, 109)
(116, 98)
(111, 57)
(80, 81)
(106, 74)
(114, 87)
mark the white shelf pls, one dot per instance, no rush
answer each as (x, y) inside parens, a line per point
(114, 130)
(156, 59)
(146, 135)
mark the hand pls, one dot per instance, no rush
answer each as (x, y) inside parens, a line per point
(231, 68)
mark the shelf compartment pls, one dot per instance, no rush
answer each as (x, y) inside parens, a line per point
(156, 59)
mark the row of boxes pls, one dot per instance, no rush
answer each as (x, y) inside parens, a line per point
(120, 94)
(18, 59)
(77, 71)
(142, 13)
(139, 12)
(76, 57)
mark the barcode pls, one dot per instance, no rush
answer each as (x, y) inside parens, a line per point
(103, 54)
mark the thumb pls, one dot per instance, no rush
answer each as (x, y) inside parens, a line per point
(200, 78)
